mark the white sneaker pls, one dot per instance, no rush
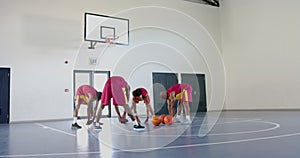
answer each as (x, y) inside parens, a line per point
(187, 121)
(178, 119)
(100, 123)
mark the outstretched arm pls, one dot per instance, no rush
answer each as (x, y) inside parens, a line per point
(133, 107)
(121, 119)
(149, 110)
(171, 107)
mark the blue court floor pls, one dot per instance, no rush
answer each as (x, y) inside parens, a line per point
(236, 134)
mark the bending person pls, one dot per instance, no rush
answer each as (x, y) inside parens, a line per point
(86, 94)
(118, 89)
(183, 94)
(141, 94)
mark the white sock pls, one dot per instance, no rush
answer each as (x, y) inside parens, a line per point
(75, 120)
(135, 122)
(188, 117)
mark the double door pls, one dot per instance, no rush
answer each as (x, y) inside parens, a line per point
(162, 81)
(96, 79)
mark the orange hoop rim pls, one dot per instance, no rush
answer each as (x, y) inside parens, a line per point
(110, 39)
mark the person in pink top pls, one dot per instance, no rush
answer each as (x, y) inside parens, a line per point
(141, 94)
(183, 94)
(86, 94)
(117, 89)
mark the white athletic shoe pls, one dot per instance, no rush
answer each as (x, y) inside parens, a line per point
(178, 119)
(100, 123)
(98, 127)
(187, 121)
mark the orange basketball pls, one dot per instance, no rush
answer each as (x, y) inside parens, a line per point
(169, 120)
(156, 120)
(162, 117)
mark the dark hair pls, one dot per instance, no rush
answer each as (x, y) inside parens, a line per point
(99, 94)
(137, 92)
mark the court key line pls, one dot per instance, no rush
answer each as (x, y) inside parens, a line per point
(248, 132)
(54, 129)
(276, 125)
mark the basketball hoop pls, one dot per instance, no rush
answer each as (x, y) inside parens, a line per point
(110, 40)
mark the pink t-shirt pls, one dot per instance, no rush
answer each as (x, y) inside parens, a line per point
(182, 92)
(82, 94)
(145, 97)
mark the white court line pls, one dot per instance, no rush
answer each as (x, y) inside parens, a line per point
(147, 149)
(218, 143)
(276, 125)
(172, 126)
(52, 154)
(57, 130)
(248, 132)
(216, 134)
(238, 121)
(161, 148)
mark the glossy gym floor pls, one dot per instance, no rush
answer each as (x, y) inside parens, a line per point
(235, 134)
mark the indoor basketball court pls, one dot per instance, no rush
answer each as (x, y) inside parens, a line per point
(234, 64)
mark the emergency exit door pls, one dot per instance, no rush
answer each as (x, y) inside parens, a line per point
(4, 94)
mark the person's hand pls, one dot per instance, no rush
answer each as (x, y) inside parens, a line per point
(124, 116)
(172, 101)
(146, 120)
(122, 120)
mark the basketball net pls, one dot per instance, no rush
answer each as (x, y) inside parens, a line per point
(109, 40)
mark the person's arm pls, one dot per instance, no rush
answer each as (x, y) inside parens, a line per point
(179, 108)
(121, 119)
(169, 103)
(133, 107)
(147, 112)
(172, 96)
(148, 108)
(171, 107)
(90, 112)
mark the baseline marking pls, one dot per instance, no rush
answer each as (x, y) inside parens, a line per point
(56, 130)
